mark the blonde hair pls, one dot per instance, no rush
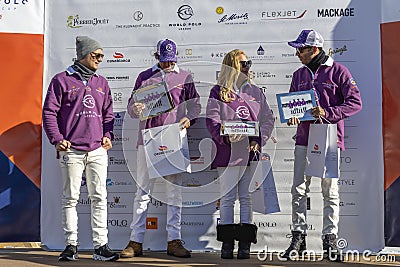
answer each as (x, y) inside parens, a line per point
(230, 71)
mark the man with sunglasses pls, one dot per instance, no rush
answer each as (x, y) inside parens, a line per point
(187, 108)
(338, 97)
(78, 119)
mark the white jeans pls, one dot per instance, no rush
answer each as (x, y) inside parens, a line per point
(73, 163)
(235, 180)
(142, 199)
(300, 189)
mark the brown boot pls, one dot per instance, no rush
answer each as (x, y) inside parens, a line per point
(133, 249)
(175, 248)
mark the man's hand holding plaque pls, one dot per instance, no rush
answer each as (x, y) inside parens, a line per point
(152, 100)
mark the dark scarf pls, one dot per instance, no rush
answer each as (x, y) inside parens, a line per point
(319, 59)
(83, 70)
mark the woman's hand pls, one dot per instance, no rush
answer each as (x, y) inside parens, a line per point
(184, 123)
(233, 138)
(254, 146)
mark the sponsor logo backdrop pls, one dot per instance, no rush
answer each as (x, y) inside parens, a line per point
(205, 31)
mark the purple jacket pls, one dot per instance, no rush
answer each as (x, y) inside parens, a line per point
(79, 113)
(183, 94)
(250, 104)
(336, 92)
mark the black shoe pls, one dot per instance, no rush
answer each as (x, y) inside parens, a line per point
(227, 250)
(244, 250)
(331, 251)
(104, 253)
(70, 253)
(296, 247)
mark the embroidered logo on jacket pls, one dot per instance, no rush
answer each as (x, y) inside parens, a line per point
(179, 86)
(302, 85)
(243, 112)
(100, 90)
(88, 101)
(353, 83)
(73, 90)
(328, 84)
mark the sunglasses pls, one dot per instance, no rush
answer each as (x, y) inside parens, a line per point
(246, 64)
(301, 49)
(97, 55)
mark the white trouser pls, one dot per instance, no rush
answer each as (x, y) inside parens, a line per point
(300, 189)
(73, 163)
(142, 199)
(235, 180)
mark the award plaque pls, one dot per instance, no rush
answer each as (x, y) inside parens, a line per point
(156, 99)
(249, 128)
(296, 104)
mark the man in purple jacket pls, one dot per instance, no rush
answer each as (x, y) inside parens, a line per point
(187, 108)
(338, 97)
(78, 119)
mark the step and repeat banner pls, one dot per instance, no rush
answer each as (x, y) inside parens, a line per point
(204, 32)
(21, 75)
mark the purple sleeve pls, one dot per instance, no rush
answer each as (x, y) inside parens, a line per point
(129, 108)
(292, 84)
(108, 115)
(351, 99)
(266, 120)
(192, 99)
(51, 108)
(131, 100)
(213, 118)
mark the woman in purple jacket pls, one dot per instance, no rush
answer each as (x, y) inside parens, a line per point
(236, 99)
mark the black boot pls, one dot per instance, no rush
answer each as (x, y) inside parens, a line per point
(226, 234)
(297, 245)
(244, 250)
(227, 249)
(246, 234)
(331, 251)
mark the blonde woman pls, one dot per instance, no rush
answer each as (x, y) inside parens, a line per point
(236, 98)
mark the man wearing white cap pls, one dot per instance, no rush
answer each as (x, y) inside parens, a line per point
(187, 108)
(338, 97)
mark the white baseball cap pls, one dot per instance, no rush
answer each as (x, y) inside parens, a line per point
(308, 38)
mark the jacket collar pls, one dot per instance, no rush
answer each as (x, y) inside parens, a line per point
(70, 70)
(329, 62)
(156, 67)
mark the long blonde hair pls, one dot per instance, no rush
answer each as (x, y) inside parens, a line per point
(229, 74)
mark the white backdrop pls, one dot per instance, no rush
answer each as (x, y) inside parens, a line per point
(129, 30)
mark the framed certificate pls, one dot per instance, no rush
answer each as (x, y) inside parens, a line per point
(249, 128)
(156, 99)
(296, 104)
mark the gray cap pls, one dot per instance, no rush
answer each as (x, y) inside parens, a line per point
(85, 45)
